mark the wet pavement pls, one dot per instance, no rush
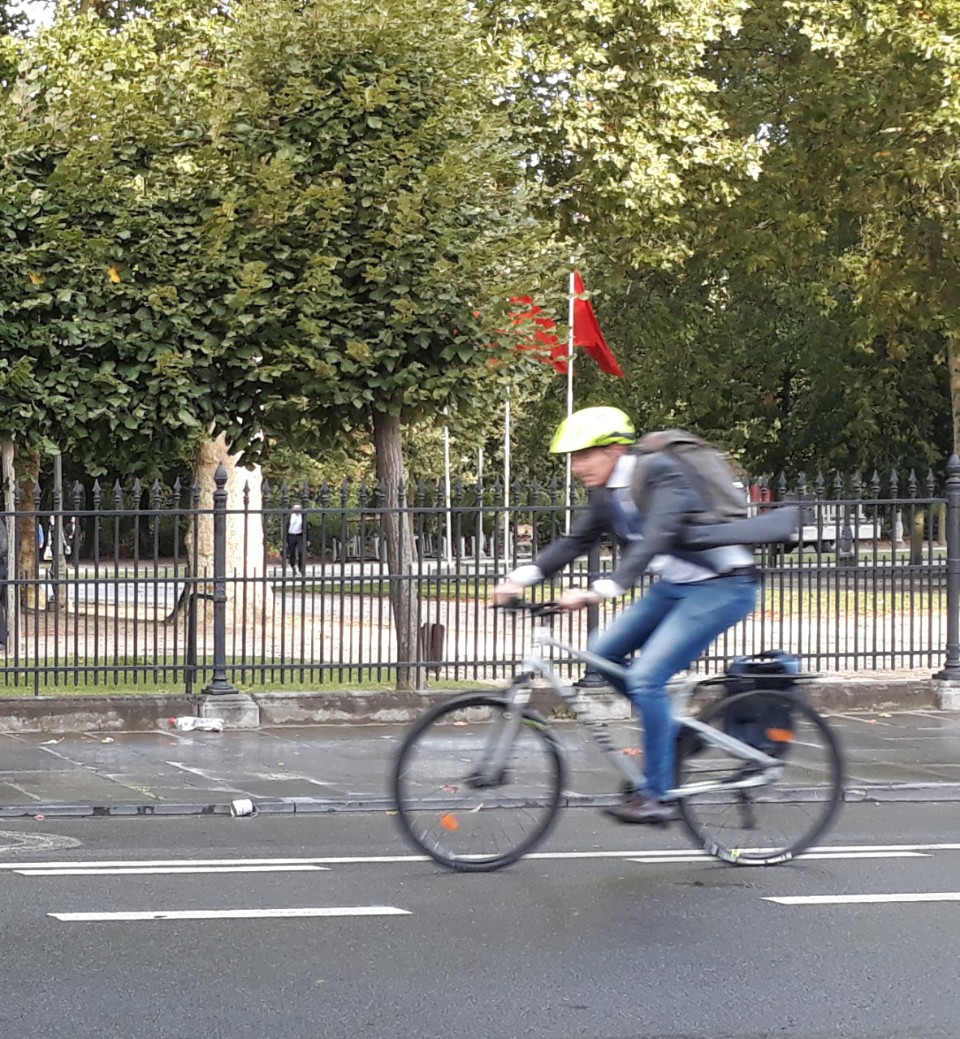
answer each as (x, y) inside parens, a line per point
(891, 756)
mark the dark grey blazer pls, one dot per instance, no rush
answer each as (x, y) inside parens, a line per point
(669, 525)
(671, 499)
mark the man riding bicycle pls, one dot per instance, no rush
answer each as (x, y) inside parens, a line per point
(700, 593)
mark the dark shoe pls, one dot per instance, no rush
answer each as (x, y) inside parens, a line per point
(640, 809)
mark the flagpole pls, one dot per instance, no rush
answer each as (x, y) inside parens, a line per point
(570, 354)
(480, 547)
(506, 477)
(590, 679)
(446, 490)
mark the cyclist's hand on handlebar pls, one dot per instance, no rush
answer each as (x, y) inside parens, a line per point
(578, 599)
(506, 591)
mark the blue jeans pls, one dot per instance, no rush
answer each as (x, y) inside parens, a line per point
(673, 624)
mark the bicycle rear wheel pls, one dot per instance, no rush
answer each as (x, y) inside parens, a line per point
(459, 817)
(796, 801)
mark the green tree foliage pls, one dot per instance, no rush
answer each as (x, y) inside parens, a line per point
(810, 360)
(13, 20)
(896, 137)
(112, 315)
(762, 195)
(627, 135)
(378, 204)
(624, 129)
(285, 221)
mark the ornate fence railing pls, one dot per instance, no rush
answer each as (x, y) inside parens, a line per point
(152, 588)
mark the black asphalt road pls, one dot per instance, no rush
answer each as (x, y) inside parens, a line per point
(580, 941)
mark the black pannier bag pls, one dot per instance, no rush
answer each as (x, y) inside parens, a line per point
(767, 727)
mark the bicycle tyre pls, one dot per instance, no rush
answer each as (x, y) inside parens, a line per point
(779, 820)
(467, 828)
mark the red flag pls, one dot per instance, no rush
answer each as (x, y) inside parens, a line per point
(541, 339)
(586, 331)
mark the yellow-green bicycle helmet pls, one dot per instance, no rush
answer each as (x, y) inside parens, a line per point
(592, 427)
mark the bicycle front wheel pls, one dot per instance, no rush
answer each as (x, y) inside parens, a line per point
(751, 815)
(457, 808)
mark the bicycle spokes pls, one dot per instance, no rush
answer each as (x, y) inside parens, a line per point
(769, 810)
(478, 783)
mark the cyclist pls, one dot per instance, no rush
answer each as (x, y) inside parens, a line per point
(698, 596)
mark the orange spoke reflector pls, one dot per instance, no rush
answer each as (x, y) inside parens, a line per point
(781, 735)
(449, 821)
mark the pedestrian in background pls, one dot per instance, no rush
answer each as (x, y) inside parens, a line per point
(296, 538)
(54, 552)
(72, 540)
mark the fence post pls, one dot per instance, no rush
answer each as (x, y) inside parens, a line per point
(219, 683)
(951, 665)
(190, 664)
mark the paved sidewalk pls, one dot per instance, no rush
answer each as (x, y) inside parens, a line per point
(892, 756)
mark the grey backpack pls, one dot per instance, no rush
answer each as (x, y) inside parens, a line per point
(711, 472)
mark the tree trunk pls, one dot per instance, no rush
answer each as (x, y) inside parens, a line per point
(250, 601)
(917, 531)
(397, 531)
(953, 362)
(27, 565)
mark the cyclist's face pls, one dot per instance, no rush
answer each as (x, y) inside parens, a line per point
(593, 466)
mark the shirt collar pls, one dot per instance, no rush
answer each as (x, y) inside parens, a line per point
(622, 474)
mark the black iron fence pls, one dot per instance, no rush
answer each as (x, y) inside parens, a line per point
(168, 588)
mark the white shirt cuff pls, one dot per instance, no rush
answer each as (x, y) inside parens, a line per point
(607, 588)
(526, 575)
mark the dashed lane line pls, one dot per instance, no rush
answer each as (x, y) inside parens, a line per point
(845, 900)
(230, 914)
(115, 871)
(167, 864)
(649, 860)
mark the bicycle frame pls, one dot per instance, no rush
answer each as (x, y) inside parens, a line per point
(535, 663)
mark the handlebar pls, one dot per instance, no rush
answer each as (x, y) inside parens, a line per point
(541, 610)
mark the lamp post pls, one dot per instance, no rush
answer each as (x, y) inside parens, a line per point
(219, 683)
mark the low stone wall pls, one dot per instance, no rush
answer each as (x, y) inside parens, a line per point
(147, 712)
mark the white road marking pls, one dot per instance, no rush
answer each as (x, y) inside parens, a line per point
(13, 840)
(167, 863)
(654, 860)
(647, 855)
(685, 854)
(230, 914)
(113, 871)
(210, 777)
(866, 855)
(890, 847)
(839, 900)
